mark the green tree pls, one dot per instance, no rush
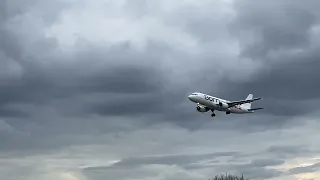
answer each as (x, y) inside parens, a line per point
(228, 177)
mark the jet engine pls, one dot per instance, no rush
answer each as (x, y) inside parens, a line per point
(223, 104)
(202, 109)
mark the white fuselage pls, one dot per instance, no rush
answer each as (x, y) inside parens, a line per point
(213, 103)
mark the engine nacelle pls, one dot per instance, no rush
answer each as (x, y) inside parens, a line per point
(223, 104)
(202, 109)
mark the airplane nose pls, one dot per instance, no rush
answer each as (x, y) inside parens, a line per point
(189, 97)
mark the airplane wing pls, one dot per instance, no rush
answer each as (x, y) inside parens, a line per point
(254, 109)
(234, 103)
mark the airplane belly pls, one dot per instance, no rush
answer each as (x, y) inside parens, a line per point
(211, 105)
(219, 108)
(236, 111)
(207, 103)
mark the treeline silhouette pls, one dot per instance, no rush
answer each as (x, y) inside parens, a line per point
(228, 177)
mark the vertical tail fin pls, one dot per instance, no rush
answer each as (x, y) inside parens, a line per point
(248, 105)
(249, 97)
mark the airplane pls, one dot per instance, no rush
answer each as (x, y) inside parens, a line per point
(206, 102)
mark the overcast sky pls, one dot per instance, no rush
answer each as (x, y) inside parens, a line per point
(95, 90)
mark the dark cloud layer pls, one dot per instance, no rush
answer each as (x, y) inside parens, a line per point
(256, 169)
(180, 160)
(81, 78)
(279, 33)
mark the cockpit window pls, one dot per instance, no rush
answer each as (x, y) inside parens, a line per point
(194, 93)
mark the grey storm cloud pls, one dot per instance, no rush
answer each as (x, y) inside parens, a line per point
(281, 34)
(257, 169)
(91, 90)
(180, 160)
(306, 169)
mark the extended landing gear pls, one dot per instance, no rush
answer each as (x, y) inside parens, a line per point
(228, 112)
(213, 114)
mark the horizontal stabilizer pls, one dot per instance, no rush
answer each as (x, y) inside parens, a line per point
(254, 109)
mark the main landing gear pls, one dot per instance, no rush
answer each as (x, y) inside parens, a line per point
(213, 114)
